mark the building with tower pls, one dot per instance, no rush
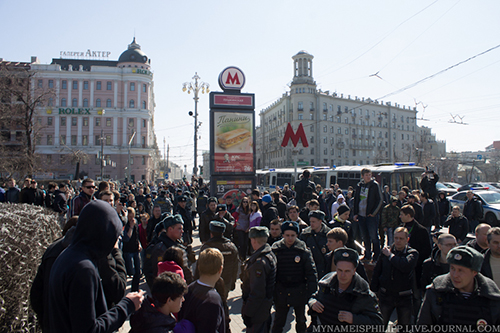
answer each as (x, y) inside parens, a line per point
(97, 106)
(340, 130)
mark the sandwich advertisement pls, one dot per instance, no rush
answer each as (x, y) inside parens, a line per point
(233, 142)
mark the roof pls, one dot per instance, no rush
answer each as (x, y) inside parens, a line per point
(134, 54)
(87, 64)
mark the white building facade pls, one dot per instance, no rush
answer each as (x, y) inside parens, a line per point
(340, 130)
(94, 102)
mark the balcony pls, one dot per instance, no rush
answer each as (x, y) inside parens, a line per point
(361, 147)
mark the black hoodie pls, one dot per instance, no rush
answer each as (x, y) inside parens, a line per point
(76, 298)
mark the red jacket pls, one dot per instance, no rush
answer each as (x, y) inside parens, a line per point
(170, 266)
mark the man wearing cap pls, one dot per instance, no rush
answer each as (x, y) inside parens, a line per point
(269, 211)
(181, 209)
(148, 204)
(228, 250)
(394, 277)
(164, 202)
(463, 296)
(296, 278)
(315, 238)
(205, 218)
(172, 236)
(344, 297)
(226, 218)
(258, 281)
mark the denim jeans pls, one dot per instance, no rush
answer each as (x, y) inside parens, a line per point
(369, 231)
(133, 266)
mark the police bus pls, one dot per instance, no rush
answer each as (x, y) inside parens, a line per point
(394, 175)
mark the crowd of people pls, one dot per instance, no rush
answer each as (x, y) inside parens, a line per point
(343, 257)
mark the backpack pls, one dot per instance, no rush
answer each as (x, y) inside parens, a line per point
(308, 192)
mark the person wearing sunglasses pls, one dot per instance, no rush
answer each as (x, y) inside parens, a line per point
(85, 196)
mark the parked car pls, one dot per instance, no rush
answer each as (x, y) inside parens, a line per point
(490, 201)
(452, 185)
(443, 188)
(478, 186)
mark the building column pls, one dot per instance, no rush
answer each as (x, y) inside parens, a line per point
(91, 104)
(124, 129)
(80, 93)
(125, 98)
(79, 135)
(56, 130)
(139, 87)
(91, 130)
(115, 131)
(138, 132)
(115, 97)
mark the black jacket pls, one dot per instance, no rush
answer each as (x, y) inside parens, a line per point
(428, 185)
(395, 273)
(375, 200)
(76, 298)
(360, 269)
(149, 320)
(473, 210)
(486, 268)
(296, 277)
(357, 299)
(258, 279)
(444, 305)
(419, 213)
(420, 241)
(205, 219)
(60, 204)
(429, 212)
(304, 189)
(316, 242)
(459, 226)
(432, 268)
(269, 213)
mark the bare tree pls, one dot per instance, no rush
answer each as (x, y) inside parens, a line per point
(20, 98)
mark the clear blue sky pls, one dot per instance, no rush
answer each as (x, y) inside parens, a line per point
(404, 41)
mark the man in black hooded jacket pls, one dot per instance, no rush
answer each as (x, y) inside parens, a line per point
(76, 297)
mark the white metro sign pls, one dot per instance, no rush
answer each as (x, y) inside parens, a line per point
(231, 78)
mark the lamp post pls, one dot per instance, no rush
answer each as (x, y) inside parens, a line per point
(195, 87)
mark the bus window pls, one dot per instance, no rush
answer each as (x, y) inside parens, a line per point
(396, 181)
(407, 180)
(273, 181)
(333, 180)
(319, 179)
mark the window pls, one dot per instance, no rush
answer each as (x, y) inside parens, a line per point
(63, 101)
(312, 139)
(131, 122)
(325, 129)
(131, 104)
(311, 106)
(75, 85)
(144, 88)
(131, 160)
(74, 102)
(98, 121)
(97, 141)
(143, 142)
(402, 136)
(339, 130)
(98, 102)
(132, 86)
(49, 140)
(301, 116)
(51, 83)
(108, 85)
(144, 123)
(312, 152)
(85, 140)
(311, 116)
(63, 139)
(85, 102)
(51, 101)
(346, 120)
(74, 121)
(144, 104)
(301, 106)
(64, 84)
(325, 152)
(346, 131)
(325, 108)
(86, 121)
(108, 103)
(85, 85)
(312, 128)
(108, 140)
(325, 140)
(49, 121)
(73, 140)
(108, 122)
(40, 83)
(143, 160)
(63, 121)
(324, 116)
(98, 85)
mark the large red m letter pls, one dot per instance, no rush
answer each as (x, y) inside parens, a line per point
(232, 79)
(300, 134)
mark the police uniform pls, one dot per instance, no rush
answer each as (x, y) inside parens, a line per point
(296, 279)
(258, 280)
(316, 242)
(445, 305)
(230, 253)
(357, 298)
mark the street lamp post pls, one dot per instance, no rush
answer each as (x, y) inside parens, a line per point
(195, 87)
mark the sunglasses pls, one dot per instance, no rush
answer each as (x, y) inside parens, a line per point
(90, 187)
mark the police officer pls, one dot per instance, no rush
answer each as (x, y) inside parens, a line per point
(315, 238)
(258, 280)
(185, 213)
(228, 250)
(394, 278)
(223, 216)
(344, 297)
(463, 296)
(296, 278)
